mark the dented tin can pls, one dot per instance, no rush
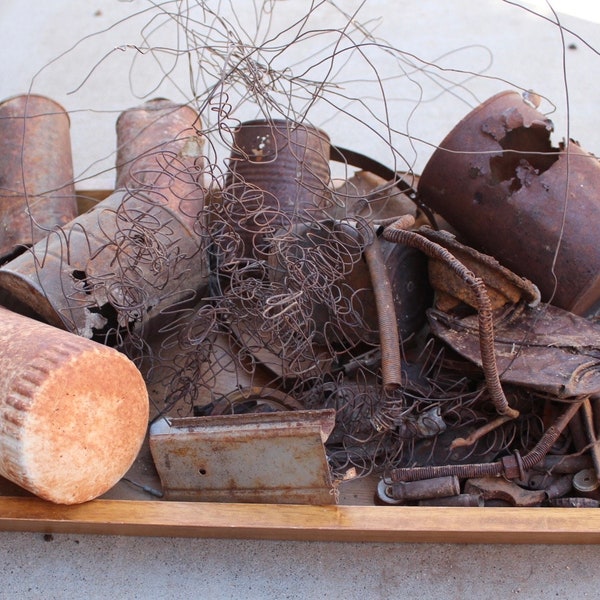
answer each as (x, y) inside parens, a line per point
(327, 293)
(278, 174)
(121, 267)
(37, 192)
(499, 181)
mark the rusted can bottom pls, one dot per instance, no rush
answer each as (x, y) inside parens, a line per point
(73, 413)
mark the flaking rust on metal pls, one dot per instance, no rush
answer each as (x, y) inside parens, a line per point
(499, 181)
(542, 348)
(497, 488)
(119, 267)
(503, 286)
(37, 193)
(276, 457)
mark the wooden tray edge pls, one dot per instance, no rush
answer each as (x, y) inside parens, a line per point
(308, 523)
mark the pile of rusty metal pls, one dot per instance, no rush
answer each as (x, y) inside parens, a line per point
(295, 331)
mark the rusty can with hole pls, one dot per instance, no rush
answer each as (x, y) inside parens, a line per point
(497, 179)
(73, 413)
(129, 262)
(278, 175)
(37, 192)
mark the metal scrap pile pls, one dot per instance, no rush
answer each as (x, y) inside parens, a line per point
(296, 331)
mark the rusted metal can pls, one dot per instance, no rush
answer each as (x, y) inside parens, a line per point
(160, 151)
(123, 266)
(36, 172)
(497, 179)
(73, 413)
(328, 289)
(278, 174)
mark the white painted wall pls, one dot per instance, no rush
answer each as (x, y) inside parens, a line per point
(83, 55)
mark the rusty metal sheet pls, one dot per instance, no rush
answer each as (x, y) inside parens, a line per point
(544, 348)
(502, 285)
(274, 457)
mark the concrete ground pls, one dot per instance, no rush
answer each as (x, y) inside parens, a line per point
(98, 567)
(52, 48)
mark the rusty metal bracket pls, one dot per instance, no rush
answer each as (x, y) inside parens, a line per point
(274, 457)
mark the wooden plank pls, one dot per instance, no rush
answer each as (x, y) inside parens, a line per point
(295, 522)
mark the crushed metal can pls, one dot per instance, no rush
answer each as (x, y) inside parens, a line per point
(120, 267)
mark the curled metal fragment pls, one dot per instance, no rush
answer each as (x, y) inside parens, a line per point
(543, 348)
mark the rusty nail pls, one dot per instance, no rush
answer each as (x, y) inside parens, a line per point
(389, 338)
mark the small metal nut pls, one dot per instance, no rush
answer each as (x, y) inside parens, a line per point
(513, 466)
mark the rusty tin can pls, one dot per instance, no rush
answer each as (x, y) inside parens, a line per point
(37, 191)
(123, 266)
(278, 174)
(497, 179)
(73, 413)
(159, 150)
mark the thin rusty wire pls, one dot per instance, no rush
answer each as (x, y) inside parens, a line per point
(279, 313)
